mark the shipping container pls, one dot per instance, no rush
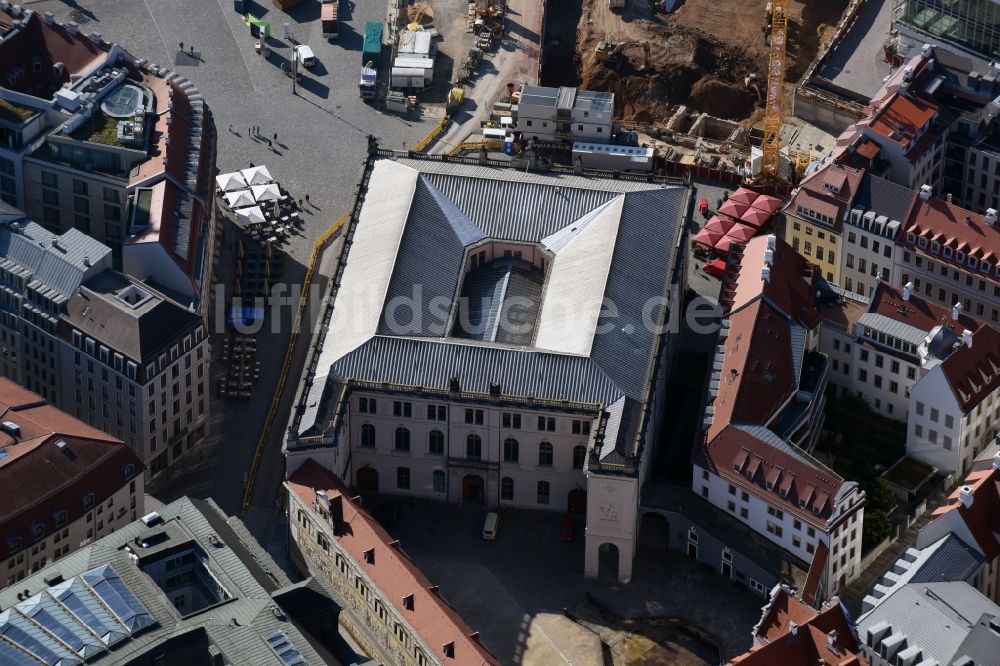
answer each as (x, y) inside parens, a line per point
(372, 50)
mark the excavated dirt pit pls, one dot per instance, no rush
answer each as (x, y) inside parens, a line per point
(699, 55)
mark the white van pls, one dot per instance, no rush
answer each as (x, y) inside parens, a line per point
(305, 55)
(490, 526)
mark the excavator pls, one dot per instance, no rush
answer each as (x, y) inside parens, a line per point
(610, 53)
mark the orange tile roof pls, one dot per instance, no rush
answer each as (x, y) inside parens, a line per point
(393, 573)
(956, 227)
(902, 118)
(983, 517)
(815, 192)
(38, 478)
(917, 312)
(775, 643)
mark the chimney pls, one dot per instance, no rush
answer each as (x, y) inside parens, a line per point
(831, 641)
(765, 273)
(956, 310)
(769, 257)
(991, 217)
(336, 510)
(947, 197)
(967, 338)
(771, 241)
(927, 51)
(908, 73)
(907, 291)
(926, 192)
(86, 262)
(996, 460)
(48, 18)
(793, 628)
(72, 28)
(965, 496)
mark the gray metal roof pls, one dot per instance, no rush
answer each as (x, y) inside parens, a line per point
(451, 206)
(770, 437)
(884, 197)
(568, 97)
(242, 642)
(892, 327)
(56, 264)
(952, 560)
(938, 617)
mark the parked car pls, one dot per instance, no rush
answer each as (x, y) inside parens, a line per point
(568, 528)
(715, 267)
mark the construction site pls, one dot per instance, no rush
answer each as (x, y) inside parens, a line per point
(703, 54)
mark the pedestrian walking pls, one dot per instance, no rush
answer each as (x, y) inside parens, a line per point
(269, 144)
(250, 131)
(307, 199)
(182, 46)
(300, 203)
(276, 137)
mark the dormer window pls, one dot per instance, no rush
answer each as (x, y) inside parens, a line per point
(911, 238)
(959, 256)
(370, 556)
(973, 262)
(985, 267)
(59, 516)
(922, 242)
(408, 602)
(37, 529)
(935, 247)
(14, 543)
(88, 500)
(128, 469)
(948, 252)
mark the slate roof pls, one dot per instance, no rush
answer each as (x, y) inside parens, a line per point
(53, 265)
(419, 221)
(237, 627)
(141, 333)
(951, 560)
(884, 197)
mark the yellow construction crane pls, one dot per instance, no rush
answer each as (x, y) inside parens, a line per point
(773, 115)
(609, 51)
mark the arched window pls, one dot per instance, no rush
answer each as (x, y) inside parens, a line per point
(403, 478)
(435, 443)
(579, 455)
(473, 446)
(507, 489)
(368, 436)
(545, 454)
(402, 439)
(510, 447)
(438, 481)
(543, 492)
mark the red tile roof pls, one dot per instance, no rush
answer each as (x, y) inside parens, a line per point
(828, 191)
(955, 227)
(983, 517)
(393, 573)
(917, 312)
(39, 479)
(974, 372)
(792, 287)
(775, 643)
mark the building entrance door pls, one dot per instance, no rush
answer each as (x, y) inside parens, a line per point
(473, 489)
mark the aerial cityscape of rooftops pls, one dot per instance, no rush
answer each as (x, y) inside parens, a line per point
(285, 285)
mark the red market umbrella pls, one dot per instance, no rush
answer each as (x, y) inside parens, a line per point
(723, 244)
(767, 202)
(755, 217)
(708, 237)
(741, 233)
(744, 196)
(734, 209)
(721, 225)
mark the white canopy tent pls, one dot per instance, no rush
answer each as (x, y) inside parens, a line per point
(269, 192)
(258, 175)
(228, 182)
(240, 199)
(251, 215)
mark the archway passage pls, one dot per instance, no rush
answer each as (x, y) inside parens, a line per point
(473, 488)
(368, 480)
(607, 562)
(654, 531)
(576, 501)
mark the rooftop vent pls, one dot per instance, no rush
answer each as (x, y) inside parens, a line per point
(765, 273)
(907, 291)
(151, 518)
(11, 428)
(991, 217)
(996, 461)
(772, 241)
(926, 192)
(927, 51)
(965, 496)
(64, 447)
(967, 338)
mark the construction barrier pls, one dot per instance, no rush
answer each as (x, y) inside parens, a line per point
(475, 145)
(318, 247)
(431, 136)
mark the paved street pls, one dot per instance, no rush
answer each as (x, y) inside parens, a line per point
(514, 61)
(320, 151)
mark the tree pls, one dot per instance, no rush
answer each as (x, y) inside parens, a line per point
(880, 496)
(876, 528)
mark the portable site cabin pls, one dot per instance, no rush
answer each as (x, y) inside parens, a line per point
(372, 49)
(407, 77)
(415, 67)
(414, 43)
(610, 157)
